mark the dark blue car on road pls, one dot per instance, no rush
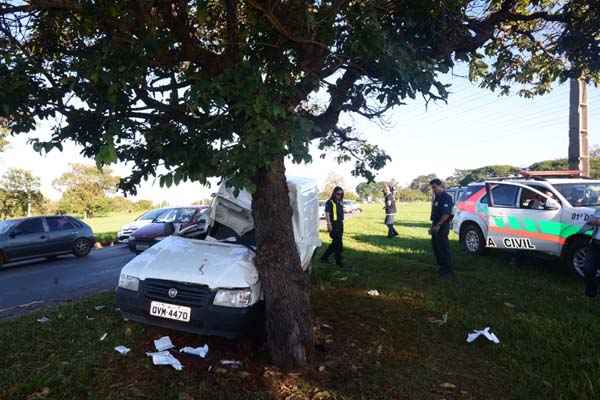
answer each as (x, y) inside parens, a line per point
(44, 237)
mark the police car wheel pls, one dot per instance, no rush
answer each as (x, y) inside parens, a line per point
(472, 240)
(576, 255)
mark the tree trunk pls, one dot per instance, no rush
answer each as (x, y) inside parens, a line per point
(285, 285)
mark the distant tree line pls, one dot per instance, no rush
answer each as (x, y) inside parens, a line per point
(86, 192)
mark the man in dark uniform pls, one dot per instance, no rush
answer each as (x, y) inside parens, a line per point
(441, 216)
(390, 209)
(334, 212)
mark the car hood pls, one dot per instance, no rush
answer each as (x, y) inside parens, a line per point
(136, 224)
(205, 262)
(151, 231)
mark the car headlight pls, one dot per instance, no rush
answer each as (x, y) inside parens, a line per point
(238, 298)
(129, 282)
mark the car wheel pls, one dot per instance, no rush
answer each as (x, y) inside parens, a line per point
(472, 240)
(82, 247)
(575, 256)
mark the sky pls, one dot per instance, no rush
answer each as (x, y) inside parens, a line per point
(474, 129)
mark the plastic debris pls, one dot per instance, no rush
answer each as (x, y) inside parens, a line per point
(231, 363)
(439, 321)
(373, 293)
(103, 337)
(122, 349)
(196, 351)
(43, 320)
(485, 332)
(164, 343)
(165, 358)
(99, 308)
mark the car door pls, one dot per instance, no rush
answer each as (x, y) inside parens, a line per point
(519, 219)
(61, 234)
(27, 239)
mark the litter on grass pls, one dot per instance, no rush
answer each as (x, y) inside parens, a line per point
(231, 363)
(165, 358)
(373, 293)
(43, 320)
(439, 321)
(485, 332)
(103, 337)
(89, 318)
(164, 343)
(98, 308)
(122, 349)
(201, 351)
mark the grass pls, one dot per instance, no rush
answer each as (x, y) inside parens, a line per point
(381, 347)
(105, 228)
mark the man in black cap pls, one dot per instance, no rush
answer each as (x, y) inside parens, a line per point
(441, 216)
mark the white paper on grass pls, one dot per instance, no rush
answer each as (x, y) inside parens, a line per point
(201, 351)
(165, 358)
(164, 343)
(373, 293)
(43, 320)
(122, 349)
(485, 332)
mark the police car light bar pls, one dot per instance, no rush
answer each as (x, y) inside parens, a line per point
(552, 174)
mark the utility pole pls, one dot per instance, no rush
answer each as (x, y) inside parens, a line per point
(579, 152)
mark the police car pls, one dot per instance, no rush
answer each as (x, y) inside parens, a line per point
(542, 211)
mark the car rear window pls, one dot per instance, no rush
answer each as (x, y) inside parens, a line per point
(60, 224)
(505, 195)
(469, 191)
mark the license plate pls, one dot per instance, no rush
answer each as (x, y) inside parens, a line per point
(170, 311)
(141, 246)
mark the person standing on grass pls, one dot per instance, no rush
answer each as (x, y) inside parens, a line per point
(334, 212)
(441, 216)
(592, 258)
(389, 198)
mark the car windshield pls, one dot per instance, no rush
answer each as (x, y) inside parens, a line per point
(179, 215)
(6, 225)
(152, 214)
(584, 194)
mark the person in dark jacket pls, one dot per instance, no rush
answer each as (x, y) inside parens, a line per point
(389, 198)
(334, 212)
(441, 216)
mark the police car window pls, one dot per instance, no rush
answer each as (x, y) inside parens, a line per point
(485, 200)
(531, 200)
(469, 191)
(505, 195)
(581, 194)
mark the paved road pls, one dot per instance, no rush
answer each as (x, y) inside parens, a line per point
(34, 284)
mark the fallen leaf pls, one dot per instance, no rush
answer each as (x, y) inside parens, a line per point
(448, 385)
(42, 394)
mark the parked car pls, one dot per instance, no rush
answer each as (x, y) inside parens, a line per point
(48, 237)
(212, 286)
(542, 214)
(191, 219)
(141, 221)
(351, 207)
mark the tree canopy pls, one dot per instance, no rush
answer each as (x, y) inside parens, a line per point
(19, 193)
(85, 190)
(189, 89)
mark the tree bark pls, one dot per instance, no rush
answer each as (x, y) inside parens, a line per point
(286, 287)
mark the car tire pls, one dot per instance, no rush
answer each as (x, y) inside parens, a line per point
(82, 247)
(472, 240)
(575, 255)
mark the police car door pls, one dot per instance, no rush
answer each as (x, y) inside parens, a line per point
(520, 218)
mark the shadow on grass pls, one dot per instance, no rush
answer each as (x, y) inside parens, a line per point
(413, 224)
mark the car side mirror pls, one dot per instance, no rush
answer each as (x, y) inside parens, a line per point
(552, 204)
